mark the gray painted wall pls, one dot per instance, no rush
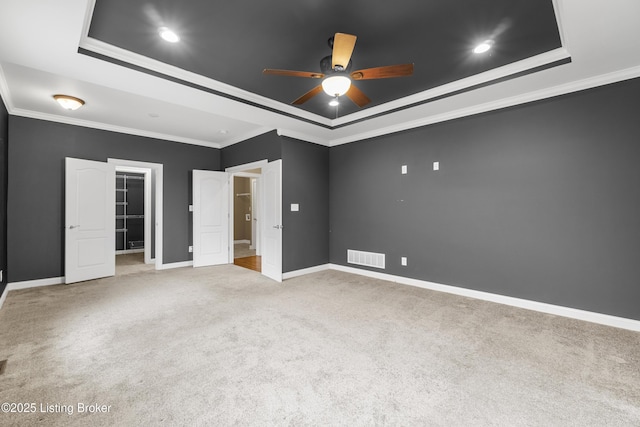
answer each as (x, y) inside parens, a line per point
(305, 181)
(538, 202)
(305, 167)
(4, 138)
(262, 147)
(36, 188)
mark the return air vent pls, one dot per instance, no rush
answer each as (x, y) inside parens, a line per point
(370, 259)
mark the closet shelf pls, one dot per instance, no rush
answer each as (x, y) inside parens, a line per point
(243, 194)
(130, 177)
(129, 216)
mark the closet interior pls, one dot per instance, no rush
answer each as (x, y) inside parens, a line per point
(129, 213)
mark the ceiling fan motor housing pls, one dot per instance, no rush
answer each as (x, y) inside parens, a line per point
(325, 66)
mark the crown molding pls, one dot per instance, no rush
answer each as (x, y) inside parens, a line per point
(542, 60)
(112, 128)
(302, 136)
(4, 92)
(563, 89)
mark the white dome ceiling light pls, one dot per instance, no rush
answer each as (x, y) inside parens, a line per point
(69, 102)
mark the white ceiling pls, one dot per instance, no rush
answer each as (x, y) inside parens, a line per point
(39, 41)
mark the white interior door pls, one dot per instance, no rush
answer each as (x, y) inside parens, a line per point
(272, 221)
(90, 248)
(210, 218)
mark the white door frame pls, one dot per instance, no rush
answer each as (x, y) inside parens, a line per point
(240, 170)
(255, 215)
(146, 167)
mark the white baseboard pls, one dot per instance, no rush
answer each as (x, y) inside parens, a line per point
(573, 313)
(176, 265)
(296, 273)
(235, 242)
(3, 296)
(14, 286)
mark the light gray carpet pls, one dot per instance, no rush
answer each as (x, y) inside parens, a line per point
(226, 346)
(132, 263)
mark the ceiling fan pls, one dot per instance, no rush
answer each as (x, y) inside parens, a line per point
(337, 75)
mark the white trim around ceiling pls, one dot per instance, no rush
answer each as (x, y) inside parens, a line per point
(4, 91)
(303, 137)
(119, 54)
(112, 128)
(563, 89)
(559, 14)
(541, 60)
(245, 136)
(487, 77)
(135, 59)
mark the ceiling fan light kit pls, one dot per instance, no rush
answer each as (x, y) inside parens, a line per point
(336, 71)
(336, 85)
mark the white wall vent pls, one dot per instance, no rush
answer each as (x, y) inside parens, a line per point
(370, 259)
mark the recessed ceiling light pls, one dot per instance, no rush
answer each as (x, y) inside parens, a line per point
(334, 102)
(168, 35)
(483, 47)
(69, 102)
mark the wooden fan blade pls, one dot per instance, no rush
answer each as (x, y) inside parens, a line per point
(343, 45)
(389, 71)
(307, 96)
(293, 73)
(357, 96)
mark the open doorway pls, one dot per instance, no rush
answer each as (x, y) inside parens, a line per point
(138, 216)
(267, 213)
(131, 239)
(246, 251)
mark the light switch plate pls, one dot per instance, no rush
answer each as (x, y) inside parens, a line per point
(404, 169)
(436, 166)
(190, 248)
(295, 207)
(190, 208)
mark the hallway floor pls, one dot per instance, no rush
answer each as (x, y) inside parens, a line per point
(246, 257)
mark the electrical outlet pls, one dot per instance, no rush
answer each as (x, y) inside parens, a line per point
(1, 275)
(190, 248)
(436, 166)
(403, 261)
